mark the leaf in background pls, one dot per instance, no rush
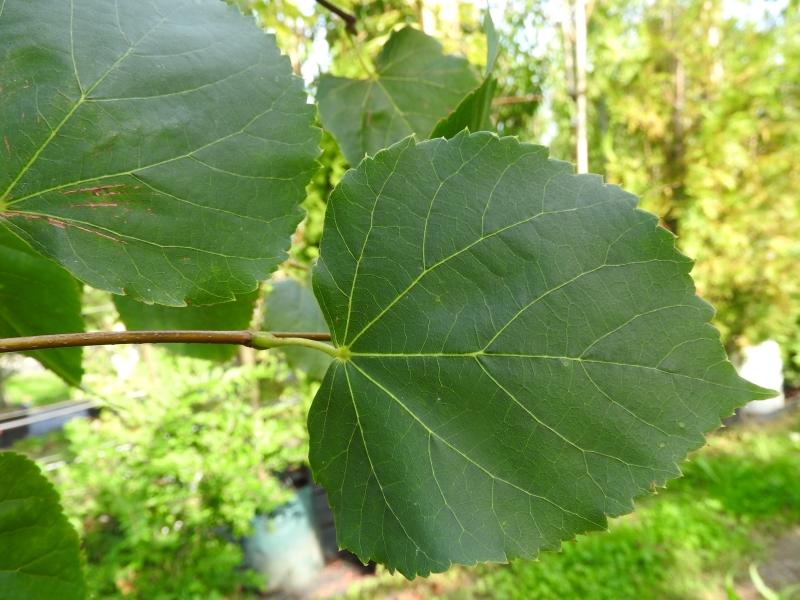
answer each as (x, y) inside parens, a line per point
(159, 149)
(38, 297)
(414, 86)
(474, 112)
(523, 355)
(230, 316)
(291, 306)
(41, 557)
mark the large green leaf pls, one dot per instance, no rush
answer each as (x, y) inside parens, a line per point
(414, 86)
(157, 148)
(291, 306)
(38, 297)
(522, 354)
(229, 316)
(41, 557)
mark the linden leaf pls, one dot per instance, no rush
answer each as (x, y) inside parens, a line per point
(41, 557)
(522, 355)
(157, 148)
(414, 86)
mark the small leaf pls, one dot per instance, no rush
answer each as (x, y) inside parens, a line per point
(41, 556)
(38, 297)
(157, 148)
(229, 316)
(523, 354)
(414, 86)
(291, 306)
(474, 111)
(492, 42)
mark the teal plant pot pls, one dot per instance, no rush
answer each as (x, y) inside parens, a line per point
(284, 547)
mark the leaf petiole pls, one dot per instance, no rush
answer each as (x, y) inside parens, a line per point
(264, 340)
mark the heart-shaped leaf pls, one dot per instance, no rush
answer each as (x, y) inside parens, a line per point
(38, 297)
(414, 86)
(41, 557)
(158, 148)
(522, 354)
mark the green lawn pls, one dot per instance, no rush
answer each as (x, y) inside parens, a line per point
(695, 540)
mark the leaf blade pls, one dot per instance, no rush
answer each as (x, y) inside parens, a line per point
(107, 148)
(46, 562)
(415, 85)
(526, 354)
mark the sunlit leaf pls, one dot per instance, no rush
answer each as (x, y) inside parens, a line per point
(41, 556)
(157, 148)
(414, 86)
(522, 355)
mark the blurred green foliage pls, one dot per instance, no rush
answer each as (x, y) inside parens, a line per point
(163, 485)
(695, 108)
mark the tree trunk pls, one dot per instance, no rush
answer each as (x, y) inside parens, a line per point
(581, 133)
(575, 51)
(675, 167)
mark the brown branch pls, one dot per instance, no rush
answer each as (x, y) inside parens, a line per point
(349, 19)
(506, 100)
(112, 338)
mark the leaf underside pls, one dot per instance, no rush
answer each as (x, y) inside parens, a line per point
(415, 85)
(38, 297)
(527, 355)
(41, 556)
(157, 148)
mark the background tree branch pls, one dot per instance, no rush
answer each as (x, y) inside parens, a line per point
(348, 18)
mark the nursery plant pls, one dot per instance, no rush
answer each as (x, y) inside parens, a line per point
(516, 351)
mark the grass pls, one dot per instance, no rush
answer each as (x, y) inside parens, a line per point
(695, 540)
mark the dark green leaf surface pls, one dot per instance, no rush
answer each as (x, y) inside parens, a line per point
(474, 111)
(291, 306)
(41, 556)
(38, 297)
(229, 316)
(523, 354)
(415, 85)
(156, 148)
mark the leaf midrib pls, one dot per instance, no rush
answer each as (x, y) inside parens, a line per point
(577, 359)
